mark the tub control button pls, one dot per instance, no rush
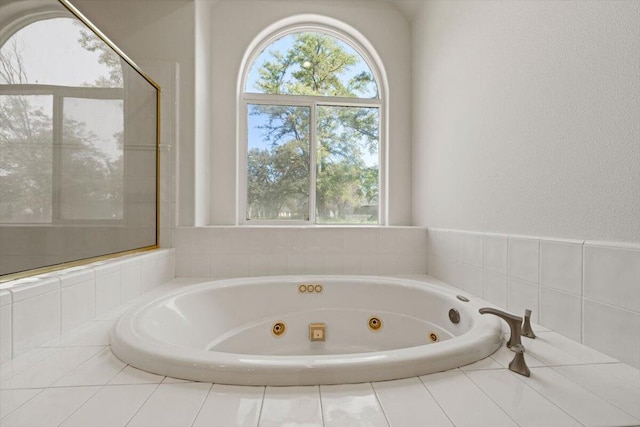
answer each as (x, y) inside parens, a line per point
(317, 331)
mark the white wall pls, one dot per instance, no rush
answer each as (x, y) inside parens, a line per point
(526, 118)
(234, 24)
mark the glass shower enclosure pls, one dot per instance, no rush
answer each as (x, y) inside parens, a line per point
(79, 136)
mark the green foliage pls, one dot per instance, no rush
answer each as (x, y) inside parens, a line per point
(346, 186)
(92, 43)
(316, 65)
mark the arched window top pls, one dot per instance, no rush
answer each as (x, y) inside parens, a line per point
(311, 63)
(59, 51)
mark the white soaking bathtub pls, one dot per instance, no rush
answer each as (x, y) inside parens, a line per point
(256, 331)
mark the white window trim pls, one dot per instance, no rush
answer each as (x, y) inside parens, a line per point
(339, 30)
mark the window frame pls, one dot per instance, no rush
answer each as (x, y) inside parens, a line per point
(58, 95)
(312, 102)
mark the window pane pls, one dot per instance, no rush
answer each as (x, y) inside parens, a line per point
(26, 140)
(311, 64)
(91, 177)
(61, 51)
(347, 184)
(278, 162)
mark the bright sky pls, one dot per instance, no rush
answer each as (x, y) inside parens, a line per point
(52, 55)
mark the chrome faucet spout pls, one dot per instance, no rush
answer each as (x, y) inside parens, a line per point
(514, 322)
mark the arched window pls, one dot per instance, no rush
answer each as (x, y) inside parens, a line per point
(310, 131)
(61, 124)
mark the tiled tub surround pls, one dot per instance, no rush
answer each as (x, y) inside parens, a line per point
(267, 251)
(76, 381)
(38, 309)
(587, 291)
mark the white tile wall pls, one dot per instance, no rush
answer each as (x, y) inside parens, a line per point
(130, 279)
(473, 252)
(612, 275)
(36, 310)
(523, 295)
(495, 253)
(35, 321)
(107, 288)
(612, 330)
(561, 265)
(524, 259)
(495, 288)
(256, 251)
(587, 291)
(561, 312)
(77, 304)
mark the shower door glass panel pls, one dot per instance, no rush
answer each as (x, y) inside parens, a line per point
(26, 159)
(91, 164)
(78, 142)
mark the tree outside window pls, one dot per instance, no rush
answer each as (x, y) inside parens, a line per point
(313, 133)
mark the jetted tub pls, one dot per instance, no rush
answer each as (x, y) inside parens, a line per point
(256, 331)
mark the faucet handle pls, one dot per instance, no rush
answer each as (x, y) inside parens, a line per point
(514, 322)
(518, 364)
(527, 331)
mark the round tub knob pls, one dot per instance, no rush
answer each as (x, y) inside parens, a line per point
(454, 315)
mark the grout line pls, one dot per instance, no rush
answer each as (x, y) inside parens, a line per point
(206, 396)
(489, 397)
(321, 407)
(82, 404)
(264, 392)
(47, 351)
(582, 275)
(539, 276)
(612, 402)
(375, 393)
(436, 400)
(142, 404)
(23, 403)
(545, 397)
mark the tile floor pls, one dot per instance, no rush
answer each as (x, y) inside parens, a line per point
(76, 381)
